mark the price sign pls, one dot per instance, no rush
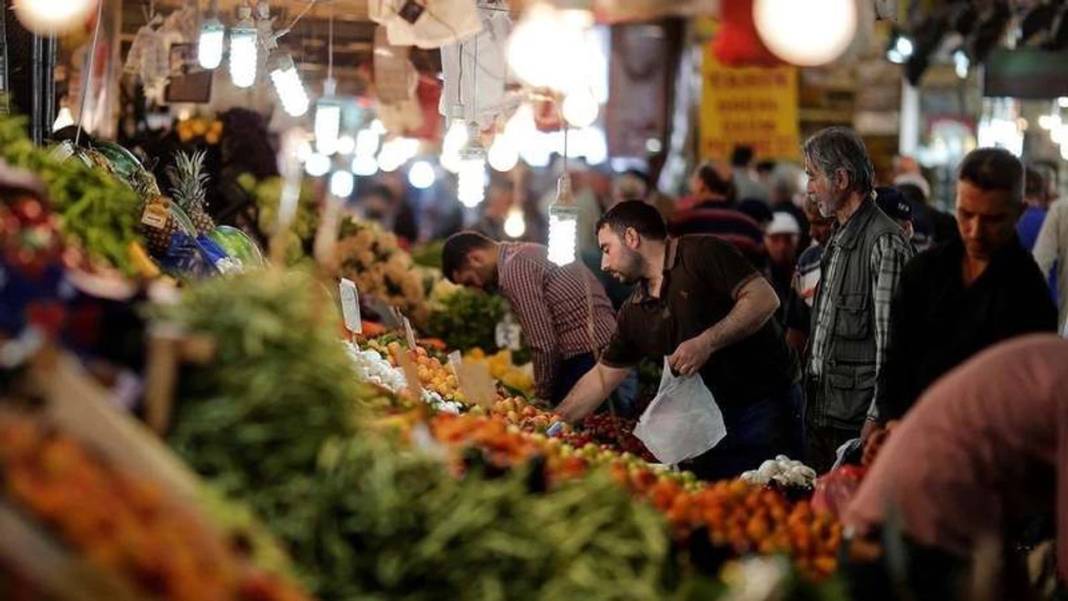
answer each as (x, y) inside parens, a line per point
(409, 334)
(156, 214)
(411, 374)
(477, 384)
(350, 306)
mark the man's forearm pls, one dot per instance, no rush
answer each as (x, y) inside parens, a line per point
(754, 307)
(590, 391)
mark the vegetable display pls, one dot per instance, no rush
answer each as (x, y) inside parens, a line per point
(465, 319)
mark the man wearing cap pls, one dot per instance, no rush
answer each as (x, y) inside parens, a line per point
(960, 298)
(781, 240)
(897, 208)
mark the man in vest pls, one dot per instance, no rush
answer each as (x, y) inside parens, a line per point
(851, 315)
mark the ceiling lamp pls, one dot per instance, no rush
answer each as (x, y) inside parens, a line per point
(212, 39)
(328, 109)
(342, 183)
(515, 225)
(52, 17)
(580, 109)
(809, 33)
(471, 182)
(503, 155)
(548, 46)
(288, 85)
(900, 48)
(563, 224)
(244, 41)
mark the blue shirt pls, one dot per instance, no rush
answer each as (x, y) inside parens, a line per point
(1029, 225)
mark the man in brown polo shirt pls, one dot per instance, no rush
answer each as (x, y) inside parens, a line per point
(700, 303)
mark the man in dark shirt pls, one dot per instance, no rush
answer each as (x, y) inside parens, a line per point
(713, 211)
(957, 299)
(702, 305)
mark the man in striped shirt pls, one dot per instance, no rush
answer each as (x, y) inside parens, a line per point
(564, 313)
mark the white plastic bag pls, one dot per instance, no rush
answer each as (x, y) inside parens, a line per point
(683, 421)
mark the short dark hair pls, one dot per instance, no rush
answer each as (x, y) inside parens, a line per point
(994, 169)
(712, 180)
(742, 155)
(457, 248)
(840, 148)
(1035, 184)
(643, 217)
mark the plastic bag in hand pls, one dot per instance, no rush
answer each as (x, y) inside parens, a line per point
(836, 489)
(683, 421)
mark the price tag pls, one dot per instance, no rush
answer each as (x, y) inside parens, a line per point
(350, 306)
(477, 384)
(411, 374)
(409, 333)
(156, 214)
(455, 362)
(508, 334)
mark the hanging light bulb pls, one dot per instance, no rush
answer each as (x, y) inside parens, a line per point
(317, 165)
(580, 108)
(471, 182)
(327, 119)
(210, 45)
(52, 17)
(563, 224)
(548, 46)
(289, 87)
(365, 165)
(63, 119)
(421, 175)
(342, 183)
(961, 63)
(808, 33)
(244, 40)
(346, 144)
(515, 225)
(503, 155)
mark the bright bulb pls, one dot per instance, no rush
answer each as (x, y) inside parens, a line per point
(289, 87)
(64, 119)
(904, 46)
(346, 145)
(243, 54)
(961, 63)
(503, 155)
(521, 128)
(210, 46)
(515, 225)
(455, 137)
(342, 183)
(366, 142)
(51, 17)
(471, 186)
(1049, 121)
(549, 47)
(327, 126)
(421, 175)
(563, 234)
(317, 165)
(595, 148)
(580, 109)
(810, 33)
(365, 165)
(1062, 102)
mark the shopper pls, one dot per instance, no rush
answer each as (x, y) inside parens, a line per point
(1037, 197)
(985, 446)
(782, 239)
(742, 175)
(1051, 254)
(712, 211)
(932, 223)
(893, 203)
(806, 279)
(851, 317)
(702, 305)
(956, 300)
(553, 304)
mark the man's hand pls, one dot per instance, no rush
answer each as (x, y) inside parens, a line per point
(690, 356)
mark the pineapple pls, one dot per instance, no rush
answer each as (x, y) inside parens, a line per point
(189, 180)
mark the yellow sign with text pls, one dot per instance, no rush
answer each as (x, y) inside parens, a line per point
(755, 106)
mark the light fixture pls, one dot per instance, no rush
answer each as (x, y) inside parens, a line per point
(365, 165)
(63, 119)
(1049, 122)
(52, 17)
(327, 120)
(961, 63)
(288, 85)
(808, 34)
(212, 39)
(317, 165)
(346, 144)
(563, 224)
(342, 184)
(502, 155)
(244, 43)
(421, 175)
(548, 46)
(471, 178)
(1062, 102)
(515, 225)
(580, 108)
(366, 142)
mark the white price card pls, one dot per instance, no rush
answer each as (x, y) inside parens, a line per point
(350, 306)
(409, 334)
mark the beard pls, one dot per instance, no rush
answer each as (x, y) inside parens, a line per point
(630, 271)
(828, 205)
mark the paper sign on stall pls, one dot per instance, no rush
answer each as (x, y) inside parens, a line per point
(409, 334)
(350, 306)
(411, 374)
(476, 384)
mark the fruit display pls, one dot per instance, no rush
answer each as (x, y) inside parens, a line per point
(465, 319)
(200, 128)
(618, 432)
(503, 369)
(267, 195)
(123, 525)
(370, 257)
(94, 208)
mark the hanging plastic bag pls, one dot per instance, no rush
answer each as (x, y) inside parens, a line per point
(683, 421)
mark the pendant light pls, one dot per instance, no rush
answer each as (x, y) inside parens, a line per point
(212, 38)
(244, 50)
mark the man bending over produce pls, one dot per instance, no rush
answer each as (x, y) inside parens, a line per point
(700, 303)
(554, 305)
